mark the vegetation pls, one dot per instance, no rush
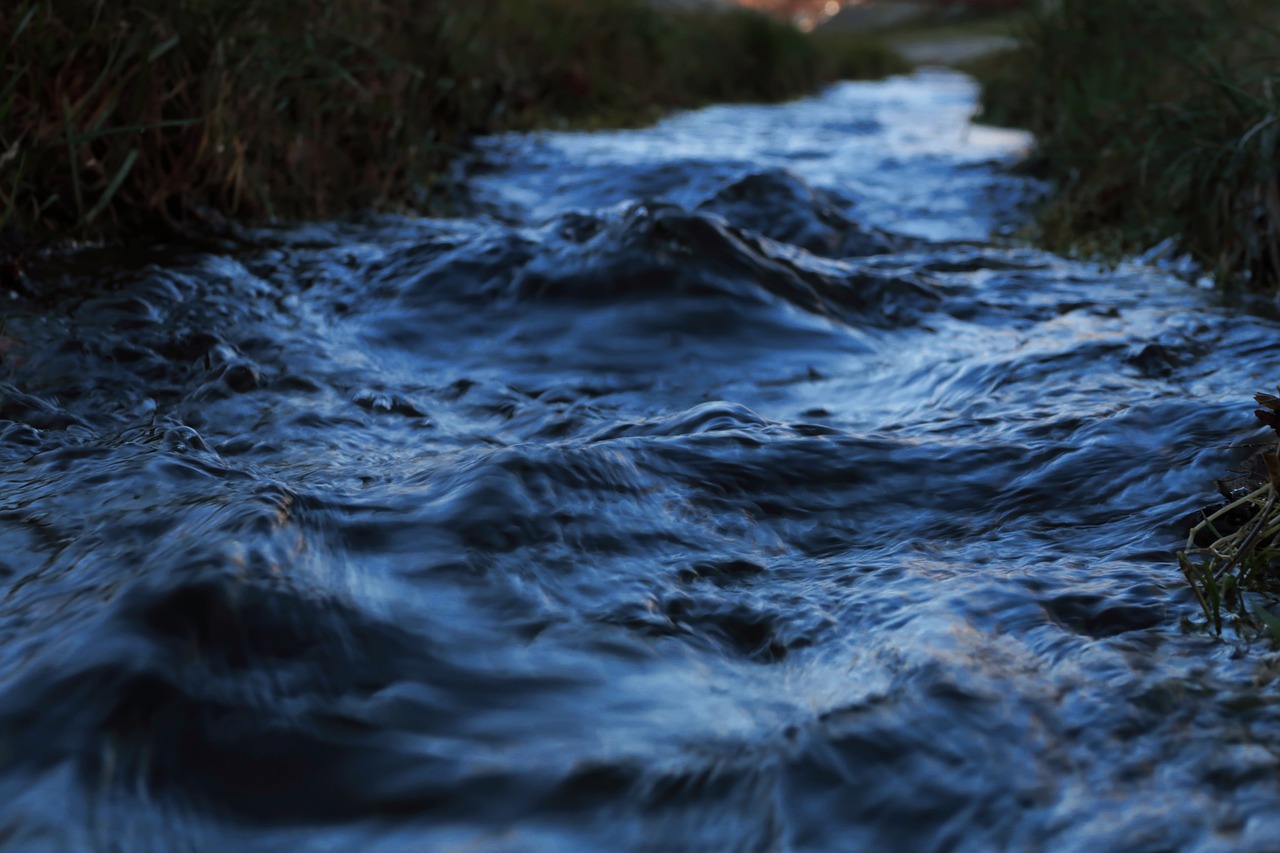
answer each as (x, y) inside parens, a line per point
(1155, 120)
(118, 117)
(855, 56)
(1233, 552)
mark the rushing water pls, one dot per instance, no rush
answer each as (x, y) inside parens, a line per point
(716, 486)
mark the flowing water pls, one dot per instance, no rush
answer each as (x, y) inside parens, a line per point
(716, 486)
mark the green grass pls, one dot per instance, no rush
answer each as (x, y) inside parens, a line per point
(121, 118)
(1154, 120)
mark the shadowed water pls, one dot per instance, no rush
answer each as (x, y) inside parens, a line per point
(715, 486)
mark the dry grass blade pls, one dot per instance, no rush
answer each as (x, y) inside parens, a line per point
(1232, 551)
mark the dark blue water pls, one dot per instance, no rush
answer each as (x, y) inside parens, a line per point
(717, 486)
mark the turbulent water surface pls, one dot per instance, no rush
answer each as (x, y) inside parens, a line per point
(717, 486)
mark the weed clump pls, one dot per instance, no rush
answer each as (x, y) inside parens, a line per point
(1232, 553)
(1155, 120)
(120, 117)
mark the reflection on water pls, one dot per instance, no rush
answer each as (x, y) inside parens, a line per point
(714, 486)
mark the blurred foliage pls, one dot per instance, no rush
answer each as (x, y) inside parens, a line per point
(1155, 120)
(123, 117)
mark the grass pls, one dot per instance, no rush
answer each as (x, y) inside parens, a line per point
(1232, 555)
(1154, 120)
(853, 56)
(121, 118)
(1000, 22)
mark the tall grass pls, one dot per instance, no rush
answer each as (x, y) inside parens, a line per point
(119, 117)
(1156, 120)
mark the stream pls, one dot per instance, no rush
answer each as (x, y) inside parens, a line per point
(729, 485)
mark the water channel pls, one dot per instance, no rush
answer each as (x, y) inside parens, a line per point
(731, 484)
